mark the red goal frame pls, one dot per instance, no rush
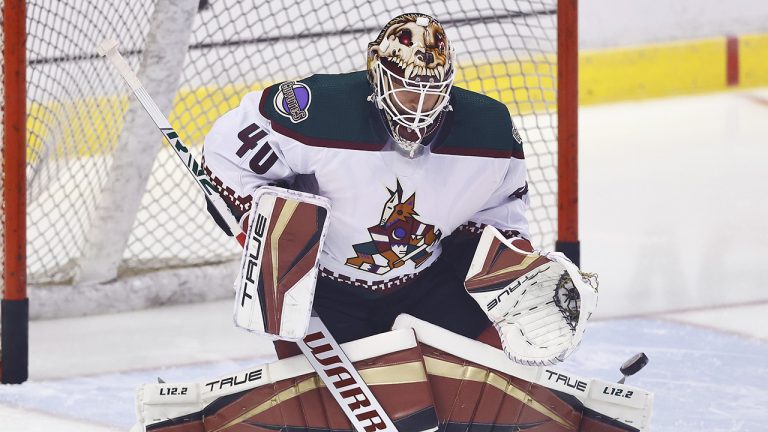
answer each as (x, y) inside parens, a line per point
(568, 130)
(14, 349)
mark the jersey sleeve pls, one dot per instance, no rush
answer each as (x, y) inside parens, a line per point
(492, 128)
(242, 153)
(505, 210)
(507, 207)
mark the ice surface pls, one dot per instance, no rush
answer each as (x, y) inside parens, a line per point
(703, 379)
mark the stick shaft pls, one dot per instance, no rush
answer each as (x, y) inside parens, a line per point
(196, 170)
(182, 151)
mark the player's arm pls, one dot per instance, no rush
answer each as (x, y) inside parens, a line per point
(284, 229)
(538, 301)
(240, 156)
(278, 269)
(505, 209)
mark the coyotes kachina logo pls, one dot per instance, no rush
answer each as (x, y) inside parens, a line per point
(398, 238)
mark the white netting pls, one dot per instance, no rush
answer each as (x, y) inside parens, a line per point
(506, 49)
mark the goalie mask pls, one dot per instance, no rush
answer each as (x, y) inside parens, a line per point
(410, 66)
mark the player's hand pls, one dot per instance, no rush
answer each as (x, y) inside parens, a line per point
(539, 303)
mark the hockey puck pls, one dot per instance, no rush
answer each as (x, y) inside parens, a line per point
(634, 364)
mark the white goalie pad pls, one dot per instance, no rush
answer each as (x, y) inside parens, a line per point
(278, 269)
(538, 302)
(288, 394)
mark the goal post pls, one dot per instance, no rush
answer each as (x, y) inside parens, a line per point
(568, 130)
(14, 311)
(82, 254)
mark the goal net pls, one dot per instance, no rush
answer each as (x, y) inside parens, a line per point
(110, 211)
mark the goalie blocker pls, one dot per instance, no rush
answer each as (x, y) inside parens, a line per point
(538, 302)
(278, 269)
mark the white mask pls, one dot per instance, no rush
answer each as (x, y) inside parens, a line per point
(410, 66)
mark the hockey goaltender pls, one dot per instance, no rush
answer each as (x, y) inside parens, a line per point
(450, 333)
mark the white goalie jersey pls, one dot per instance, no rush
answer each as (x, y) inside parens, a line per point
(320, 135)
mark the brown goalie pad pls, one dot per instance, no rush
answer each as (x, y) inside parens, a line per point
(477, 388)
(301, 403)
(279, 266)
(445, 382)
(472, 397)
(397, 380)
(294, 233)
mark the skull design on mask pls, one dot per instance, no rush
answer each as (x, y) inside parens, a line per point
(410, 66)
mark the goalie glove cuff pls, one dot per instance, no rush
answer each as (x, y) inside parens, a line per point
(521, 243)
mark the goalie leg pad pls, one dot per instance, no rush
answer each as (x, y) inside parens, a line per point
(288, 395)
(278, 270)
(476, 387)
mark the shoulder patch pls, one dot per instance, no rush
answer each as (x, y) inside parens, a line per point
(310, 111)
(292, 100)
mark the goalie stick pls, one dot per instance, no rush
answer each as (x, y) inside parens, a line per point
(319, 346)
